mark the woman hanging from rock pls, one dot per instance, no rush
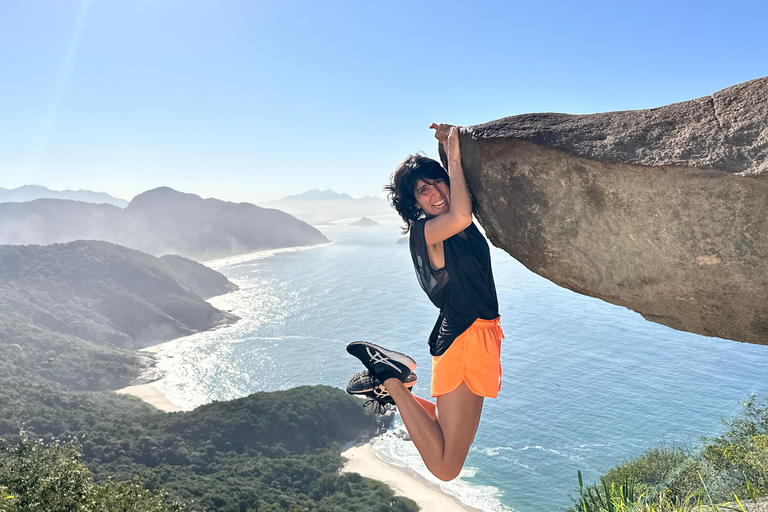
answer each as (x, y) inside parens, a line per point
(453, 266)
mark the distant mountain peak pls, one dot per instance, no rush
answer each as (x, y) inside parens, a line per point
(318, 195)
(159, 221)
(26, 193)
(166, 197)
(163, 192)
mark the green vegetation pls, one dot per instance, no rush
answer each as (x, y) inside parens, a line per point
(197, 277)
(72, 314)
(265, 452)
(732, 467)
(39, 478)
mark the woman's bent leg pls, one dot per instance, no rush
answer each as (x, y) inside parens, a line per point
(427, 405)
(443, 438)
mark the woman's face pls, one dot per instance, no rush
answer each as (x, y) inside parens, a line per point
(433, 196)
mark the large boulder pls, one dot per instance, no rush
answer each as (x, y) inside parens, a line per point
(663, 211)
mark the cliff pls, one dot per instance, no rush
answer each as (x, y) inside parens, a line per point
(662, 211)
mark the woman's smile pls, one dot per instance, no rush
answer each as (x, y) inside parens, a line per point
(434, 198)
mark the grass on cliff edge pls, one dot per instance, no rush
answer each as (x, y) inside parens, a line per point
(731, 468)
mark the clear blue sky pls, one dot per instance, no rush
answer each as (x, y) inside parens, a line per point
(255, 100)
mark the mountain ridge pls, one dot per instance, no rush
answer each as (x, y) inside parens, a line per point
(319, 195)
(26, 193)
(80, 309)
(159, 221)
(324, 207)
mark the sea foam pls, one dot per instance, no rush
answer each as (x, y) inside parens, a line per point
(396, 449)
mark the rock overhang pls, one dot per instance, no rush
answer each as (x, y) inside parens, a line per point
(663, 211)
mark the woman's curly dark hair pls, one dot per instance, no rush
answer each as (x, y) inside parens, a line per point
(401, 190)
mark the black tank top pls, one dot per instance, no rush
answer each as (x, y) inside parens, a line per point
(463, 289)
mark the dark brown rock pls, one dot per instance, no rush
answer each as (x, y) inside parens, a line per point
(663, 211)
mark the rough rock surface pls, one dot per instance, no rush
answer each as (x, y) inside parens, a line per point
(663, 211)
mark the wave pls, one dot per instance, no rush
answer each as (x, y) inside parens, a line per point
(219, 263)
(394, 449)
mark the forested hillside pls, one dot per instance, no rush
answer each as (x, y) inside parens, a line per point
(74, 313)
(197, 277)
(72, 316)
(266, 452)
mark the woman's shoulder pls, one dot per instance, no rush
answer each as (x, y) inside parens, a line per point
(417, 229)
(416, 239)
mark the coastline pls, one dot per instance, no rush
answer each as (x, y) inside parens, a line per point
(403, 482)
(151, 395)
(360, 459)
(142, 387)
(217, 263)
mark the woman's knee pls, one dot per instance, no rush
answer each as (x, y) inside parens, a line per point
(448, 467)
(447, 471)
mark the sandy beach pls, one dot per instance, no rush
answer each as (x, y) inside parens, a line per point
(360, 460)
(151, 395)
(403, 482)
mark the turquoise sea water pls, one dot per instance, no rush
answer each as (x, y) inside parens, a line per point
(585, 384)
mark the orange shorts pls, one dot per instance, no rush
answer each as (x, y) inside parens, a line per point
(474, 357)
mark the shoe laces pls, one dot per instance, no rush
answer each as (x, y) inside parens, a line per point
(380, 391)
(379, 408)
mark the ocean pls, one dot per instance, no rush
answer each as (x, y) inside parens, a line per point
(585, 384)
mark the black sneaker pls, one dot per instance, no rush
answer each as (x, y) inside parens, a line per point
(382, 363)
(364, 384)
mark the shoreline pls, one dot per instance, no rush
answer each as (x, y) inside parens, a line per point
(403, 482)
(217, 263)
(360, 459)
(151, 395)
(142, 387)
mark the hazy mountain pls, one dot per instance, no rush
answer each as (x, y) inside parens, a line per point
(323, 207)
(191, 226)
(73, 313)
(160, 221)
(319, 195)
(200, 279)
(31, 192)
(47, 221)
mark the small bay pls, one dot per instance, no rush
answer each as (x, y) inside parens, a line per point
(585, 384)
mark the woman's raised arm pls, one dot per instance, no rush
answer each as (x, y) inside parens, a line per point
(459, 216)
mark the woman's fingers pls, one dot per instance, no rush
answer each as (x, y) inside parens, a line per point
(441, 131)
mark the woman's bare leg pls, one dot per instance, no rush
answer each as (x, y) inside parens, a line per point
(427, 405)
(443, 438)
